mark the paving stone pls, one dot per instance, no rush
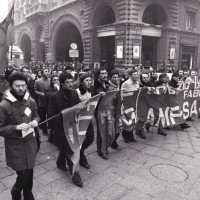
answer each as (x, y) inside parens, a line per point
(150, 150)
(195, 194)
(44, 158)
(186, 151)
(4, 172)
(140, 158)
(185, 144)
(121, 155)
(131, 181)
(101, 181)
(9, 180)
(50, 176)
(183, 159)
(170, 147)
(5, 195)
(137, 146)
(49, 165)
(168, 195)
(136, 195)
(149, 188)
(164, 154)
(38, 170)
(123, 168)
(115, 191)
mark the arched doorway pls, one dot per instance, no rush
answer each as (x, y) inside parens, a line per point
(105, 17)
(25, 46)
(67, 34)
(154, 18)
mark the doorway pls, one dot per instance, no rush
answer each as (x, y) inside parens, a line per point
(107, 45)
(149, 50)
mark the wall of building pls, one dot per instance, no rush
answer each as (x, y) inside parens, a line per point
(128, 27)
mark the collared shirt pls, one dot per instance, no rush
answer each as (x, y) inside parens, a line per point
(130, 85)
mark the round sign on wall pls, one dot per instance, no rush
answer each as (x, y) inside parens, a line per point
(73, 46)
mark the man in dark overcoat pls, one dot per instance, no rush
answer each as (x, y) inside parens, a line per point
(60, 100)
(18, 118)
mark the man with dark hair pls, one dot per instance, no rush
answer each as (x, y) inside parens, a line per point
(53, 87)
(131, 84)
(163, 80)
(18, 118)
(60, 100)
(40, 86)
(101, 85)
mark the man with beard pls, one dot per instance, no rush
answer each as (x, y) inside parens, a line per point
(40, 86)
(18, 118)
(60, 100)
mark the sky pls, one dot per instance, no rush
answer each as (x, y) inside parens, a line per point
(3, 9)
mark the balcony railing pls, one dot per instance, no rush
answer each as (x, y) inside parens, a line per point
(36, 8)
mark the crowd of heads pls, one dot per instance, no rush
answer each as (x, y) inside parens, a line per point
(59, 72)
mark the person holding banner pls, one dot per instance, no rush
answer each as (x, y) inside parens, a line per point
(66, 97)
(101, 86)
(18, 118)
(163, 80)
(132, 84)
(114, 84)
(85, 92)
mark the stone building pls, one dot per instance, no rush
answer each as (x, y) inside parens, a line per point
(120, 32)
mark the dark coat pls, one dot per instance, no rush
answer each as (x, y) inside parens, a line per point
(48, 92)
(174, 83)
(59, 101)
(98, 87)
(20, 152)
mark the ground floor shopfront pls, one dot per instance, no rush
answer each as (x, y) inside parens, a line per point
(105, 32)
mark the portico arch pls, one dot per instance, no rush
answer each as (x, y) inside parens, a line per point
(66, 30)
(24, 42)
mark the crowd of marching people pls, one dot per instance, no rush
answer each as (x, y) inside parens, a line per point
(53, 88)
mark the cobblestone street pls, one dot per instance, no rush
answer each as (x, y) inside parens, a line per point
(158, 168)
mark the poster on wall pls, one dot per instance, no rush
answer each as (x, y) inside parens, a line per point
(48, 56)
(136, 52)
(120, 49)
(172, 54)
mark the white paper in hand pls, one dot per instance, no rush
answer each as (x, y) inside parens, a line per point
(25, 133)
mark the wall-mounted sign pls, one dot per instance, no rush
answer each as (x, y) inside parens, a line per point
(73, 46)
(119, 49)
(49, 56)
(172, 54)
(73, 53)
(136, 52)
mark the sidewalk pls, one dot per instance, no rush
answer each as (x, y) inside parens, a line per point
(158, 168)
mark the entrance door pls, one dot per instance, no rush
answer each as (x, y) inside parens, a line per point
(188, 57)
(149, 50)
(107, 45)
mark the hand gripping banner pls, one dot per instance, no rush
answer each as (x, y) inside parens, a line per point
(76, 121)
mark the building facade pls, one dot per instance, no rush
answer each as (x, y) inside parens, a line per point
(119, 32)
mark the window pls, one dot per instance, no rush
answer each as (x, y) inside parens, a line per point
(190, 20)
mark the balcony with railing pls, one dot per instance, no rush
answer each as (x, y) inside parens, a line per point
(36, 7)
(59, 3)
